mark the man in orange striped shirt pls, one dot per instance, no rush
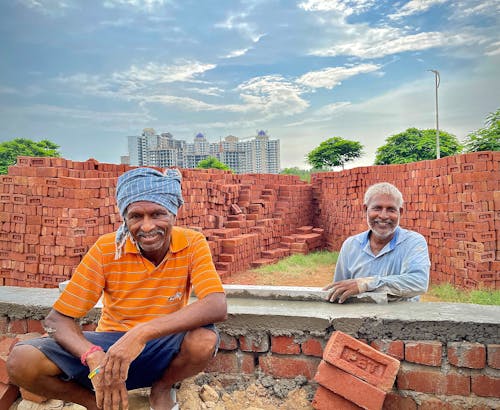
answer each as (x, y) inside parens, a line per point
(148, 335)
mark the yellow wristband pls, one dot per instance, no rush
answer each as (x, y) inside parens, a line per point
(94, 372)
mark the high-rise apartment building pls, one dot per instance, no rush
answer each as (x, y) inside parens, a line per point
(255, 155)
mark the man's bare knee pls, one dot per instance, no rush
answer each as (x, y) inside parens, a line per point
(26, 363)
(200, 344)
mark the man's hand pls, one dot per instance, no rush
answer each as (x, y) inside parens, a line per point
(343, 289)
(109, 383)
(109, 397)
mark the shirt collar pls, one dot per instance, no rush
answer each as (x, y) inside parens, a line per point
(178, 242)
(365, 237)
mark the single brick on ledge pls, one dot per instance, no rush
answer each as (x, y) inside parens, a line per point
(361, 360)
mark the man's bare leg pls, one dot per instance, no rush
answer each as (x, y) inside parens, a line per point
(30, 369)
(196, 351)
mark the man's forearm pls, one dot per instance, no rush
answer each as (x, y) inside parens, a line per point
(65, 331)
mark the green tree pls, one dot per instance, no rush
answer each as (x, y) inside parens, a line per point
(212, 162)
(487, 138)
(334, 152)
(415, 145)
(10, 150)
(303, 174)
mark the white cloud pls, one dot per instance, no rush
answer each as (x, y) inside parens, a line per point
(415, 7)
(162, 73)
(148, 5)
(237, 22)
(344, 7)
(136, 80)
(8, 90)
(53, 8)
(56, 112)
(466, 8)
(332, 76)
(273, 95)
(493, 49)
(322, 114)
(237, 53)
(380, 42)
(213, 91)
(123, 22)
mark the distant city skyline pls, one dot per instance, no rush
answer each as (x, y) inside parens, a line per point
(261, 154)
(86, 74)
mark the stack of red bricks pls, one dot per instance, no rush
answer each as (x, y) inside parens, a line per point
(8, 392)
(305, 239)
(52, 210)
(353, 375)
(453, 201)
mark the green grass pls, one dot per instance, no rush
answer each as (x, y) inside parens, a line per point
(298, 262)
(447, 293)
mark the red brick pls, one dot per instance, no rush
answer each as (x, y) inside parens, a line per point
(433, 381)
(18, 326)
(361, 360)
(394, 401)
(486, 386)
(424, 352)
(494, 355)
(8, 395)
(288, 367)
(27, 395)
(254, 343)
(7, 344)
(350, 387)
(470, 355)
(312, 347)
(325, 399)
(229, 362)
(284, 345)
(228, 342)
(35, 326)
(394, 348)
(434, 403)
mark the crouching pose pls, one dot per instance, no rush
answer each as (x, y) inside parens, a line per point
(148, 335)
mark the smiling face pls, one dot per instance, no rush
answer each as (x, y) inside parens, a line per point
(382, 216)
(150, 224)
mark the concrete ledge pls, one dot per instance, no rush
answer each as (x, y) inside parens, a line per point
(398, 320)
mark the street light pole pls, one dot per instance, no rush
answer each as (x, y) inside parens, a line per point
(438, 79)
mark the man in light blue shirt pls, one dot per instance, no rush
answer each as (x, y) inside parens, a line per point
(385, 259)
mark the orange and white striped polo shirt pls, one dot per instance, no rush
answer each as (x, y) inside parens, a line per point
(134, 290)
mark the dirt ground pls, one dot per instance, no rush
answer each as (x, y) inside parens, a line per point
(317, 277)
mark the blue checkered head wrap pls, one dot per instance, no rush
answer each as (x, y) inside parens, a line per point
(146, 184)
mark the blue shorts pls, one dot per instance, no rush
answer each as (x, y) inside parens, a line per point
(148, 367)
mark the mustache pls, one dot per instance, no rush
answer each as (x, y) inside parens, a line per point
(155, 232)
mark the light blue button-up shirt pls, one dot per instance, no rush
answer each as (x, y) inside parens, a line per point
(400, 269)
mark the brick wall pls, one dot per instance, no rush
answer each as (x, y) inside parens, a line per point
(454, 202)
(52, 210)
(432, 374)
